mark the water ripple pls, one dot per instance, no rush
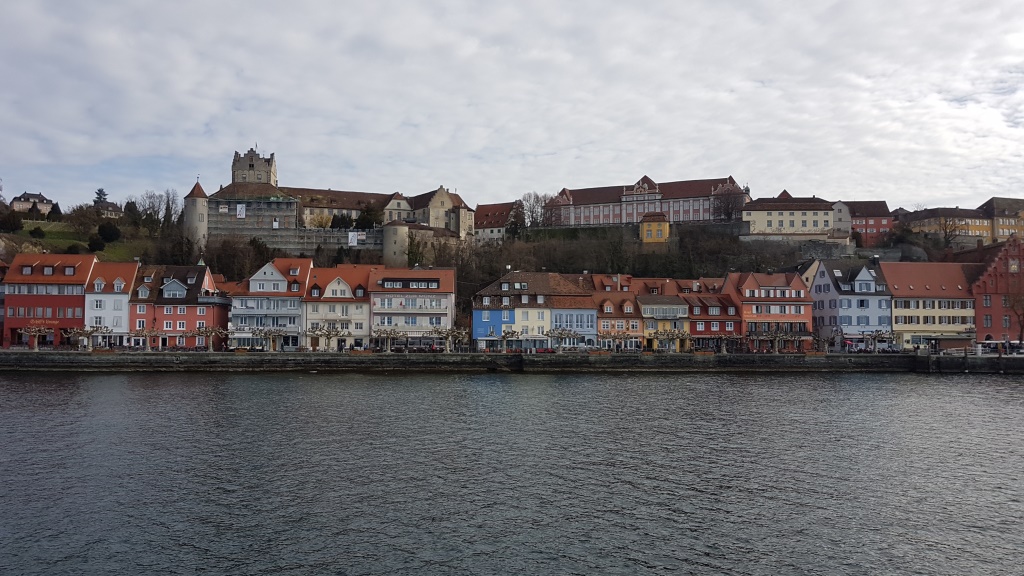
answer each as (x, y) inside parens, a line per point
(652, 474)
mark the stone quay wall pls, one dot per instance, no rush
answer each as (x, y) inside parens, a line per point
(572, 363)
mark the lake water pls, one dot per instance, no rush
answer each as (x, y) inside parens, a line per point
(511, 474)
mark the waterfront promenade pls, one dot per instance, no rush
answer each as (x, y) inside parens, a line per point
(107, 361)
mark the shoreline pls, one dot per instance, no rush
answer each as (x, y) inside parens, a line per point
(107, 361)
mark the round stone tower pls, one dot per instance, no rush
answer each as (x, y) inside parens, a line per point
(196, 216)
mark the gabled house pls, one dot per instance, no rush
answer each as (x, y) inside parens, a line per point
(173, 306)
(107, 302)
(775, 309)
(852, 306)
(870, 220)
(714, 322)
(998, 292)
(266, 309)
(337, 308)
(45, 294)
(24, 202)
(665, 322)
(491, 221)
(620, 322)
(932, 305)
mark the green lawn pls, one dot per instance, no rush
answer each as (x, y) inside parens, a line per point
(59, 236)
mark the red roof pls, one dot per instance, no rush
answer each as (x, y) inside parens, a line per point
(926, 279)
(493, 215)
(56, 264)
(668, 190)
(196, 192)
(111, 271)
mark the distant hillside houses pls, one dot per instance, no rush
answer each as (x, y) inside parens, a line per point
(24, 202)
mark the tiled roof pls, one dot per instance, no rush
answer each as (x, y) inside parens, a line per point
(618, 300)
(493, 215)
(668, 190)
(445, 277)
(926, 279)
(941, 213)
(32, 197)
(995, 207)
(339, 199)
(543, 283)
(111, 271)
(196, 192)
(354, 275)
(785, 201)
(868, 208)
(82, 263)
(160, 275)
(251, 191)
(654, 217)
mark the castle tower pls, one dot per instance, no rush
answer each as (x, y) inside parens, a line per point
(254, 168)
(196, 217)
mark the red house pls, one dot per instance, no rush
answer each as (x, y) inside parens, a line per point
(171, 305)
(871, 220)
(45, 294)
(715, 321)
(999, 294)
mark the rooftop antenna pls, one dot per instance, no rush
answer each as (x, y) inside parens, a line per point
(197, 178)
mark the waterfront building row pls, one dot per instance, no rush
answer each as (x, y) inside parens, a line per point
(64, 299)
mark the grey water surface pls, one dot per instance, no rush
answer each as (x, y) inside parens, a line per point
(511, 474)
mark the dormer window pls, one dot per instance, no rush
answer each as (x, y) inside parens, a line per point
(99, 285)
(26, 270)
(47, 270)
(504, 285)
(147, 278)
(607, 308)
(191, 280)
(143, 292)
(69, 270)
(359, 292)
(628, 309)
(295, 287)
(293, 272)
(118, 286)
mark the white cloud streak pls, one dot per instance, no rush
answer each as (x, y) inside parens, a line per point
(908, 101)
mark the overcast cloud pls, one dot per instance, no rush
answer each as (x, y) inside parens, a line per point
(913, 102)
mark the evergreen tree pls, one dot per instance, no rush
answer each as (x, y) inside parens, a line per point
(370, 216)
(10, 222)
(34, 213)
(132, 215)
(96, 243)
(109, 232)
(55, 214)
(101, 196)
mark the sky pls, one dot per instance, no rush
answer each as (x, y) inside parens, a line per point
(916, 102)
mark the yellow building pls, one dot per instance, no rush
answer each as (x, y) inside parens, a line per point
(654, 228)
(950, 223)
(666, 322)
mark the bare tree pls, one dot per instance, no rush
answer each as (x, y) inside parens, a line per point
(533, 208)
(950, 227)
(727, 201)
(83, 218)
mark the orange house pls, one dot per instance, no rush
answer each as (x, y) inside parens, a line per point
(775, 310)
